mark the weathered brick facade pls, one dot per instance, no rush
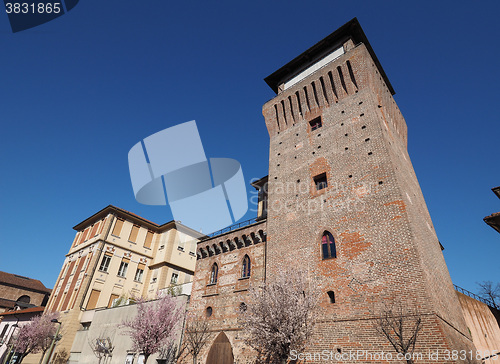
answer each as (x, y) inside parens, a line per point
(387, 250)
(224, 297)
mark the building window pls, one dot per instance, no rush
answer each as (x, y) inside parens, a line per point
(328, 246)
(133, 234)
(123, 269)
(315, 124)
(243, 307)
(105, 262)
(24, 299)
(320, 181)
(331, 296)
(149, 239)
(175, 278)
(138, 275)
(213, 274)
(118, 227)
(245, 271)
(208, 311)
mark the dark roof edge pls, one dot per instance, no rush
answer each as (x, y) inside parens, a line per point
(351, 28)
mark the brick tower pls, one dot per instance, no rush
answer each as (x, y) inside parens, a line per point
(345, 205)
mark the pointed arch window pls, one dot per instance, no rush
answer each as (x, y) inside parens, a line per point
(245, 271)
(328, 246)
(213, 274)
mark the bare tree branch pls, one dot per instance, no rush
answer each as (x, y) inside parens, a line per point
(490, 292)
(196, 336)
(401, 328)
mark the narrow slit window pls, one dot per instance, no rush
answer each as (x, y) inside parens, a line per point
(341, 75)
(351, 74)
(307, 98)
(330, 76)
(213, 274)
(315, 93)
(321, 182)
(284, 112)
(298, 102)
(277, 116)
(322, 81)
(316, 123)
(245, 272)
(331, 296)
(291, 107)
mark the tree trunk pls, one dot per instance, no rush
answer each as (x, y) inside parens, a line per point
(146, 358)
(194, 359)
(43, 354)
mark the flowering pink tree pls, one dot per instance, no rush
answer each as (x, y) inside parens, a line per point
(279, 317)
(36, 336)
(154, 326)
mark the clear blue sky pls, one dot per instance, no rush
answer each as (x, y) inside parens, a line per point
(77, 93)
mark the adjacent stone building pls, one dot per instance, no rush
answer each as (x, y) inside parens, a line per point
(18, 292)
(343, 205)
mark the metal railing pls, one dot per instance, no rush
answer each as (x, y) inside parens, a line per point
(475, 296)
(233, 227)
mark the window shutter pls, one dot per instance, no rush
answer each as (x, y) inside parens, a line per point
(149, 239)
(118, 227)
(133, 233)
(94, 297)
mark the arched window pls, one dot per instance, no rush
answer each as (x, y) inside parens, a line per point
(328, 246)
(213, 274)
(24, 299)
(245, 271)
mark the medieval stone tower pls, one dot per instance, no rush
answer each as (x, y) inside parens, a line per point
(344, 203)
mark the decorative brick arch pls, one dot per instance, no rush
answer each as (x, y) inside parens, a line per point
(221, 351)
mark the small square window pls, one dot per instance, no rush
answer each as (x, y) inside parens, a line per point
(320, 181)
(315, 124)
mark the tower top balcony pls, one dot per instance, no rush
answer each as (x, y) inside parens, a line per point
(320, 54)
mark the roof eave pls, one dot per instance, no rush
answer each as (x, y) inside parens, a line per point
(351, 29)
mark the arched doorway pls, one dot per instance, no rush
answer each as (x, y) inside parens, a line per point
(221, 351)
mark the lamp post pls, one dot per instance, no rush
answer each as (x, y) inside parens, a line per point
(12, 342)
(51, 348)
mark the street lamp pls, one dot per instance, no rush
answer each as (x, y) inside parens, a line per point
(12, 341)
(51, 348)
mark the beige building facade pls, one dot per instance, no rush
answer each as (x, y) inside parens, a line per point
(117, 255)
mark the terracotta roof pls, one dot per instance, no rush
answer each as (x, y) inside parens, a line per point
(23, 282)
(22, 312)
